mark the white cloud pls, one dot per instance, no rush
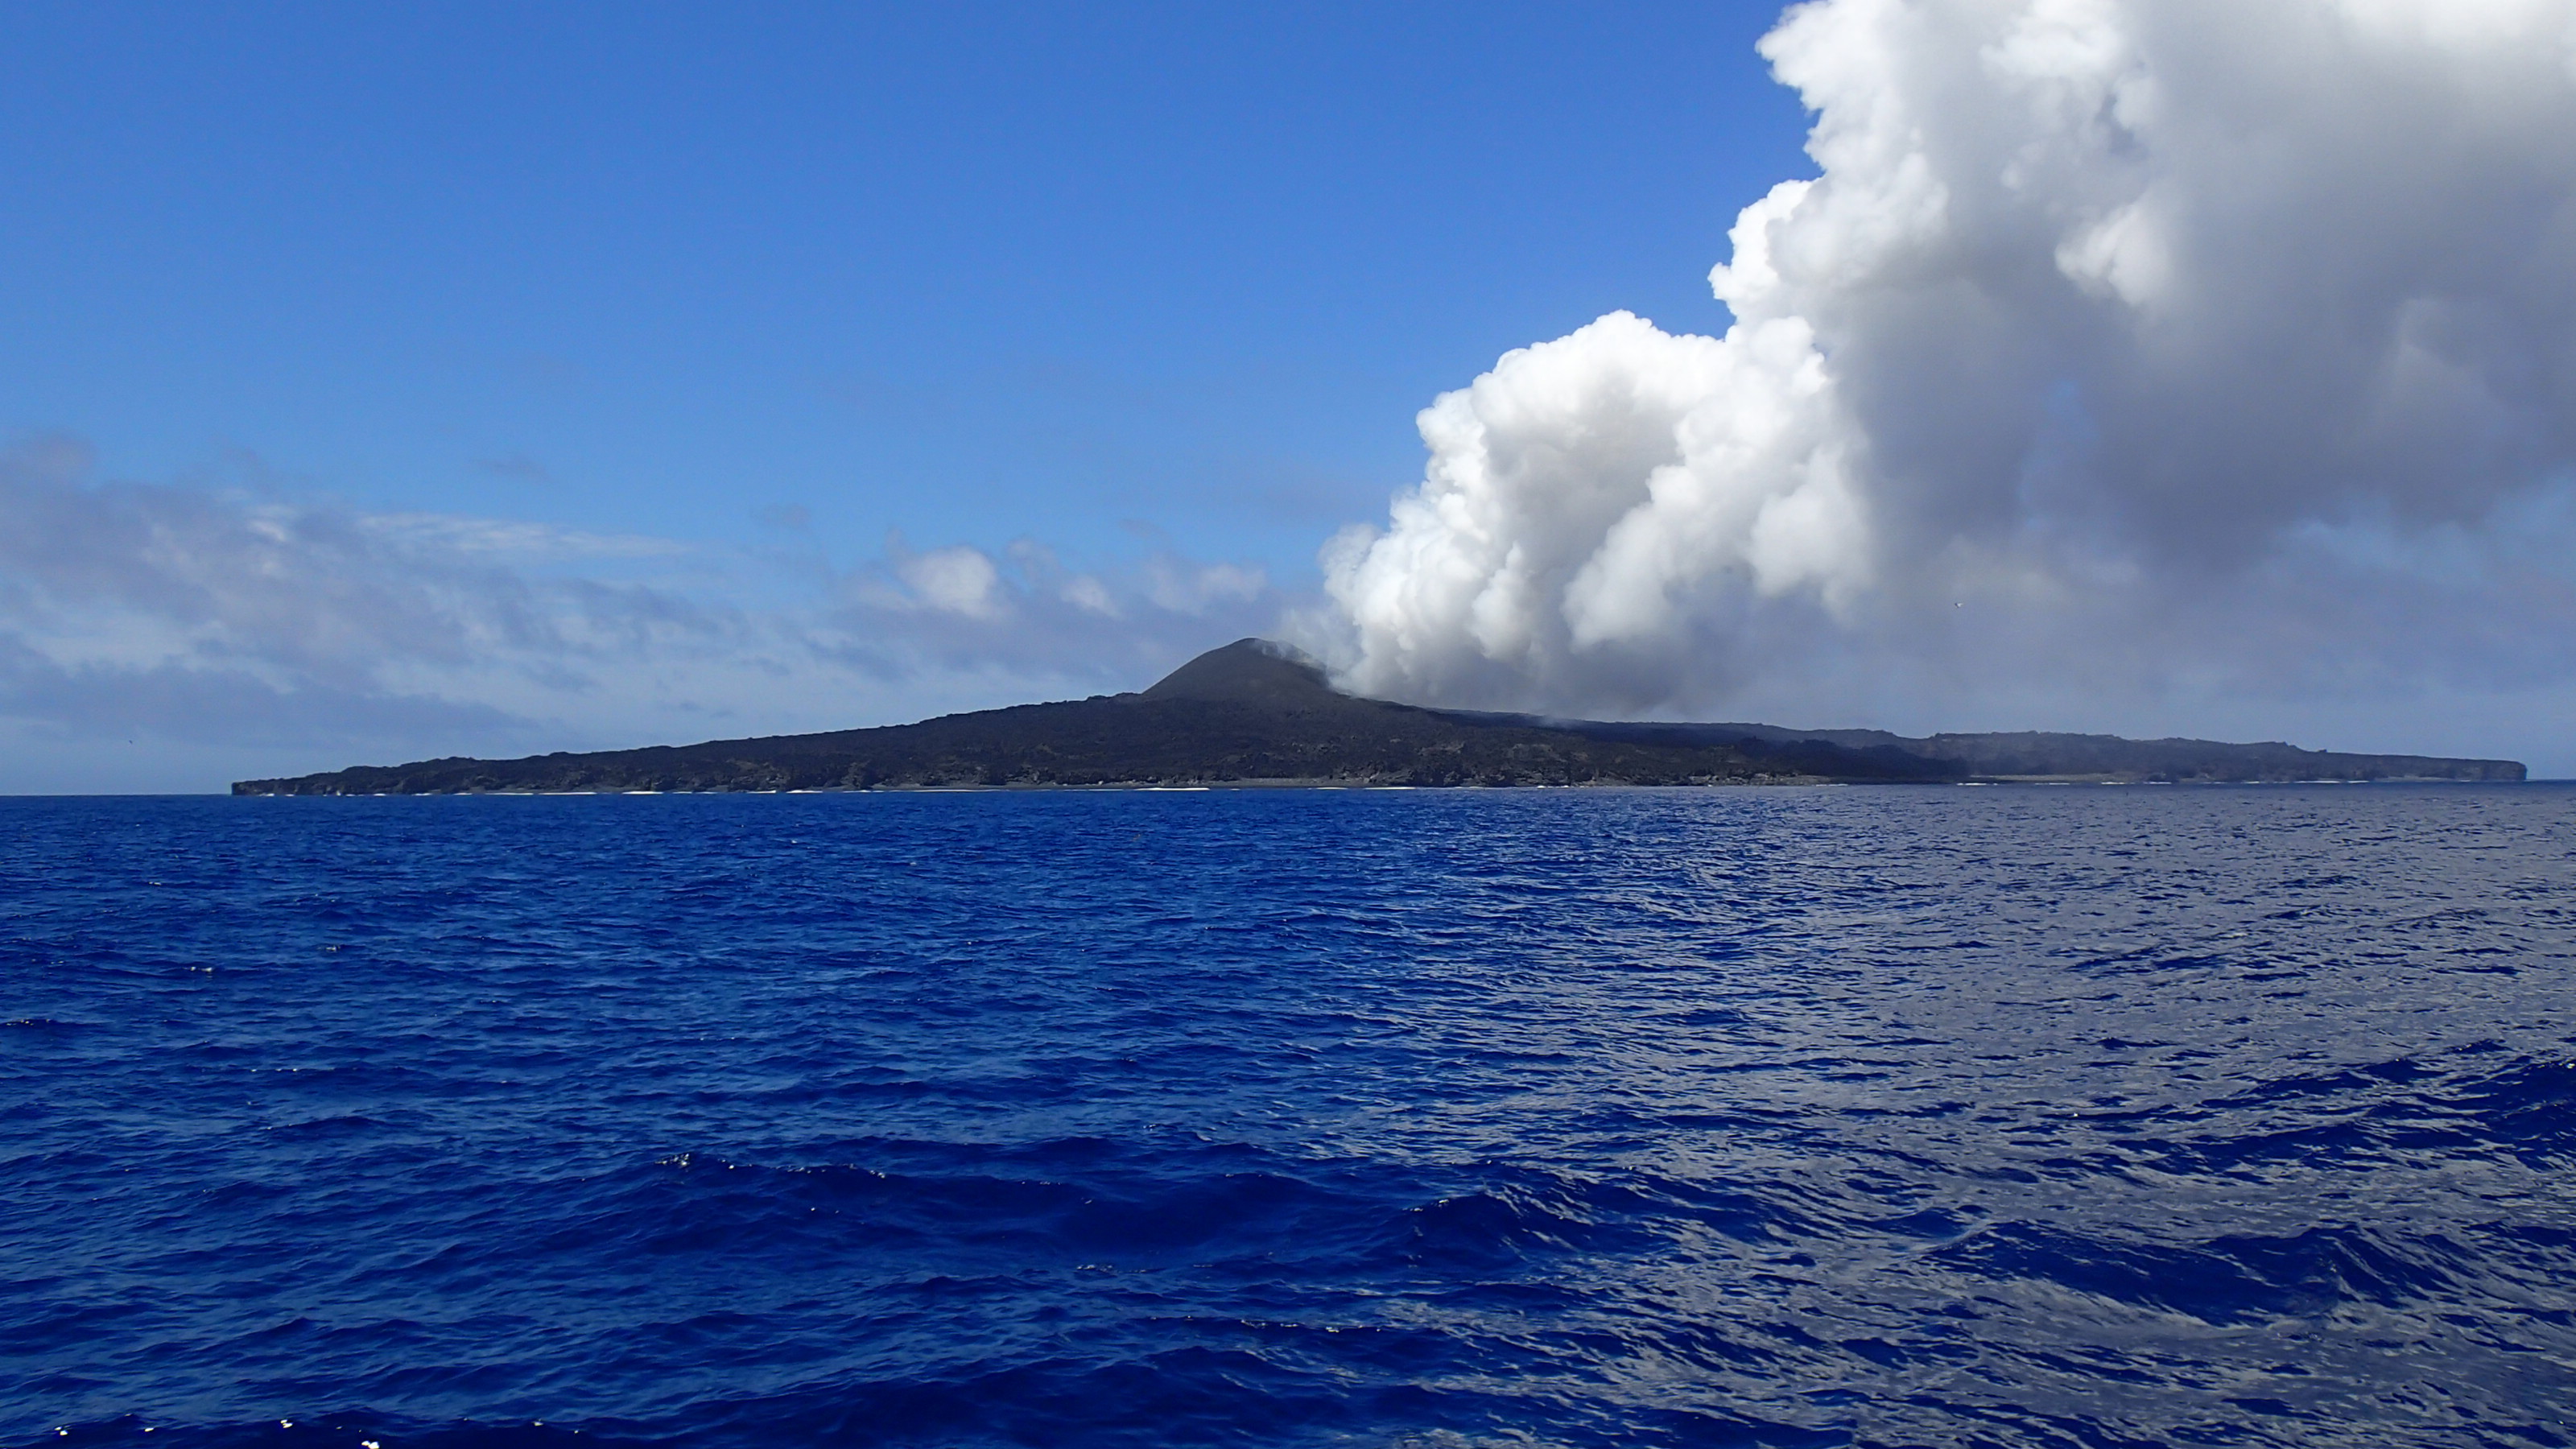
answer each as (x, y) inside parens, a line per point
(2123, 352)
(1089, 595)
(960, 580)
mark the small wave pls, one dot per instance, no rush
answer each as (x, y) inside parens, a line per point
(2226, 1280)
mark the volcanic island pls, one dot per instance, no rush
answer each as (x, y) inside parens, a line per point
(1256, 713)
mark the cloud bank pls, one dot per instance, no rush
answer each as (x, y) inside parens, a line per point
(177, 635)
(2121, 350)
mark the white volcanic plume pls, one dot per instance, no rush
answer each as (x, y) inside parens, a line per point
(2230, 331)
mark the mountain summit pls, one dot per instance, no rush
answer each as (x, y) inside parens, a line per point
(1261, 713)
(1251, 671)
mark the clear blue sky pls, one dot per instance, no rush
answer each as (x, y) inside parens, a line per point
(975, 272)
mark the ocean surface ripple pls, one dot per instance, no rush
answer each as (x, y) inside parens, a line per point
(1799, 1117)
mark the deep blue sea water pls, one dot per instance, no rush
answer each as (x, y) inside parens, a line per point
(1802, 1117)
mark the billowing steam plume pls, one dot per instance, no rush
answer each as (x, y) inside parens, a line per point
(2164, 339)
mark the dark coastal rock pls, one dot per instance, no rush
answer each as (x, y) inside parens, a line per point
(1255, 712)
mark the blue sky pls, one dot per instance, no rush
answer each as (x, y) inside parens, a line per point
(1085, 274)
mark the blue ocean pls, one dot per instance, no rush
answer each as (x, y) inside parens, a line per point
(1926, 1116)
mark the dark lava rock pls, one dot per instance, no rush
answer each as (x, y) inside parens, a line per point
(1255, 712)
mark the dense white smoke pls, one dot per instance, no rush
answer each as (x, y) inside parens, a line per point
(2203, 326)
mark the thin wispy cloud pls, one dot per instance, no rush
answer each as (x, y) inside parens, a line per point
(194, 614)
(516, 465)
(519, 539)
